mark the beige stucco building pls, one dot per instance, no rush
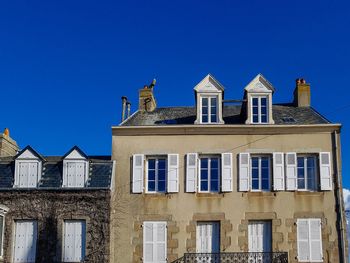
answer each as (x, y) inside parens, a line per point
(216, 179)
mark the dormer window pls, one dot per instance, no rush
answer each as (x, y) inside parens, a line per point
(75, 169)
(258, 97)
(27, 169)
(209, 109)
(260, 109)
(209, 96)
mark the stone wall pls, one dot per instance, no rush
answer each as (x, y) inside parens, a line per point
(50, 209)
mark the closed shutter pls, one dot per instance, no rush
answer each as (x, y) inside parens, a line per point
(71, 174)
(278, 171)
(23, 174)
(208, 237)
(33, 174)
(154, 242)
(315, 240)
(226, 174)
(191, 172)
(74, 241)
(1, 234)
(173, 173)
(137, 173)
(303, 239)
(26, 233)
(80, 174)
(244, 171)
(291, 171)
(325, 171)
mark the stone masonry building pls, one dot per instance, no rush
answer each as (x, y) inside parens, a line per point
(54, 208)
(224, 180)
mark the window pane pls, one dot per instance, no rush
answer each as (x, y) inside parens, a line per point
(161, 164)
(204, 185)
(151, 185)
(255, 173)
(161, 175)
(301, 184)
(161, 186)
(213, 117)
(255, 184)
(151, 164)
(213, 102)
(255, 101)
(205, 118)
(255, 162)
(311, 173)
(263, 110)
(204, 174)
(255, 118)
(300, 161)
(214, 163)
(204, 110)
(214, 185)
(255, 110)
(301, 174)
(265, 185)
(263, 102)
(265, 173)
(204, 162)
(263, 118)
(264, 162)
(151, 175)
(214, 174)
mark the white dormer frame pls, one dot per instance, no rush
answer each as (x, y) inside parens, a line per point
(259, 87)
(209, 87)
(74, 156)
(26, 157)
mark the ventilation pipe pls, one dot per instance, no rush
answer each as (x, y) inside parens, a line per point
(124, 100)
(128, 107)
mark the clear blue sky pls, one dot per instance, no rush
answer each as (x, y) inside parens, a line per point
(65, 64)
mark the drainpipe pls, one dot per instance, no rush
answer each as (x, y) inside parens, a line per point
(339, 202)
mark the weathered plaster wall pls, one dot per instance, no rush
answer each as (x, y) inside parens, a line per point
(235, 208)
(50, 209)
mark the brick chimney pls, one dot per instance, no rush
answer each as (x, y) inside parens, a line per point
(8, 147)
(147, 102)
(302, 95)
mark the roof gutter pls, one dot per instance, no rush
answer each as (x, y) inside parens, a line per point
(223, 129)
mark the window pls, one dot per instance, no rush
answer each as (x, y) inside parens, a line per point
(260, 173)
(208, 238)
(259, 110)
(309, 240)
(307, 173)
(27, 174)
(209, 110)
(74, 173)
(26, 234)
(74, 241)
(157, 174)
(260, 238)
(154, 242)
(209, 176)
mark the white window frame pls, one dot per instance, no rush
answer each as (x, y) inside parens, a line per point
(209, 173)
(157, 157)
(259, 169)
(259, 97)
(65, 172)
(83, 244)
(18, 163)
(317, 175)
(309, 241)
(209, 97)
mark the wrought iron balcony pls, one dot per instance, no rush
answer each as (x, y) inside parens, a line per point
(235, 257)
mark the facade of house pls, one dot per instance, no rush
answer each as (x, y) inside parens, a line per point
(251, 180)
(54, 208)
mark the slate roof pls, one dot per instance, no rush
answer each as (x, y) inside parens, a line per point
(286, 114)
(100, 173)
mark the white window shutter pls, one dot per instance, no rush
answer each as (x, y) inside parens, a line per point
(137, 173)
(154, 242)
(244, 160)
(173, 173)
(316, 254)
(278, 171)
(303, 239)
(226, 172)
(161, 244)
(291, 171)
(325, 171)
(191, 172)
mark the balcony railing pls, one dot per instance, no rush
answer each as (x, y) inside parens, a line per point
(235, 257)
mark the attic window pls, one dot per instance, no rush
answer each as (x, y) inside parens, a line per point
(260, 109)
(209, 109)
(288, 120)
(75, 169)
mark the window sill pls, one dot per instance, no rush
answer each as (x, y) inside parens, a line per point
(156, 195)
(213, 195)
(261, 193)
(308, 193)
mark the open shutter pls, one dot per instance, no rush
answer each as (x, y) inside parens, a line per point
(244, 171)
(191, 172)
(291, 171)
(137, 173)
(315, 240)
(173, 173)
(278, 171)
(325, 171)
(226, 172)
(303, 239)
